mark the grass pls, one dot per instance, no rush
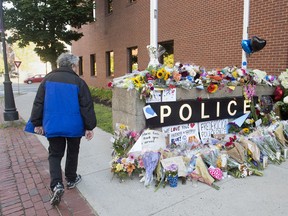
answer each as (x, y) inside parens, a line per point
(101, 93)
(104, 117)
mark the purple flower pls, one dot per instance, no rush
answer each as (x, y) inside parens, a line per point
(150, 160)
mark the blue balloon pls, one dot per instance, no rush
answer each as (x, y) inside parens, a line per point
(246, 46)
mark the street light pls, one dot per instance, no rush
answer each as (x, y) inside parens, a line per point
(10, 112)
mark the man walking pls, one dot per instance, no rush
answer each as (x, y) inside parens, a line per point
(63, 111)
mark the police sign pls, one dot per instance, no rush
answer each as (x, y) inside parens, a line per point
(190, 111)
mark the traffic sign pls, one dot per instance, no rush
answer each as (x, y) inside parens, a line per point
(17, 63)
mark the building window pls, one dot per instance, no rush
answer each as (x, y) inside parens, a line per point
(109, 6)
(80, 66)
(110, 63)
(93, 69)
(132, 59)
(168, 57)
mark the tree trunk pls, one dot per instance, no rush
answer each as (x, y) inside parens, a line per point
(53, 65)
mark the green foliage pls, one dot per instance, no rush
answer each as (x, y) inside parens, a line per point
(46, 24)
(104, 117)
(101, 93)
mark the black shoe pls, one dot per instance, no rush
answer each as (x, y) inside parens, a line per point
(72, 184)
(58, 192)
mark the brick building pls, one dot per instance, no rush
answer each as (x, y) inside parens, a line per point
(206, 33)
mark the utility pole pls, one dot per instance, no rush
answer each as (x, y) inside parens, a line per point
(10, 112)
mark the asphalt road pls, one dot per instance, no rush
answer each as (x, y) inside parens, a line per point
(18, 87)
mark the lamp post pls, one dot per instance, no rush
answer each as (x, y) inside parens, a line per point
(153, 52)
(10, 112)
(246, 12)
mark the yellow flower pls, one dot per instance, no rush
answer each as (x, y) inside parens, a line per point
(153, 73)
(137, 82)
(235, 74)
(119, 167)
(160, 73)
(245, 130)
(122, 126)
(167, 75)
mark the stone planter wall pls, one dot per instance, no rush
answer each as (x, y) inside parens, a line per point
(127, 108)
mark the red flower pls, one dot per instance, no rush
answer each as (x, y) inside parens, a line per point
(110, 84)
(212, 88)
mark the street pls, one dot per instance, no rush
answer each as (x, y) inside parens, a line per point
(18, 88)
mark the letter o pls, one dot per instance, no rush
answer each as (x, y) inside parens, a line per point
(181, 112)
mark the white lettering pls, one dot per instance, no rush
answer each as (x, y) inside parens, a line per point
(164, 114)
(189, 112)
(229, 108)
(246, 106)
(203, 116)
(218, 109)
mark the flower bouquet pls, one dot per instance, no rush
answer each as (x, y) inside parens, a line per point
(171, 173)
(124, 167)
(235, 150)
(238, 170)
(123, 140)
(281, 95)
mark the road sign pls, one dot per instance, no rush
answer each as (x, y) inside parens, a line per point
(17, 63)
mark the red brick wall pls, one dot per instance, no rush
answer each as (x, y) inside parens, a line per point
(206, 33)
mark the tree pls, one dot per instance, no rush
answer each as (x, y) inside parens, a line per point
(49, 24)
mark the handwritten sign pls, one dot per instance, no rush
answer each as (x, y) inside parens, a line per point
(150, 140)
(206, 129)
(184, 134)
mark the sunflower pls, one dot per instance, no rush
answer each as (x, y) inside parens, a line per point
(160, 73)
(136, 81)
(167, 75)
(245, 130)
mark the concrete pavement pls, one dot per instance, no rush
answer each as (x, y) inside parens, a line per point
(257, 196)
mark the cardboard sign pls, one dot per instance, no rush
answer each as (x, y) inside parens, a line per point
(182, 171)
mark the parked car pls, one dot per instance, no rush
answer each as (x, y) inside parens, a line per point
(35, 78)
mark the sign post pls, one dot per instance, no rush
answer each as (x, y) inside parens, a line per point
(17, 64)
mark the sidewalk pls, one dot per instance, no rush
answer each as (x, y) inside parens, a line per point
(24, 179)
(257, 196)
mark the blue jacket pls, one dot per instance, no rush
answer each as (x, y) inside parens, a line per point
(63, 105)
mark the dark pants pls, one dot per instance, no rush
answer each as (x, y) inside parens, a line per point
(56, 150)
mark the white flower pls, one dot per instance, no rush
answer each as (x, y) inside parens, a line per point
(240, 72)
(258, 75)
(283, 76)
(284, 83)
(285, 100)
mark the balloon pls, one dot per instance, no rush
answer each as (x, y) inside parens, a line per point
(278, 93)
(257, 44)
(246, 46)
